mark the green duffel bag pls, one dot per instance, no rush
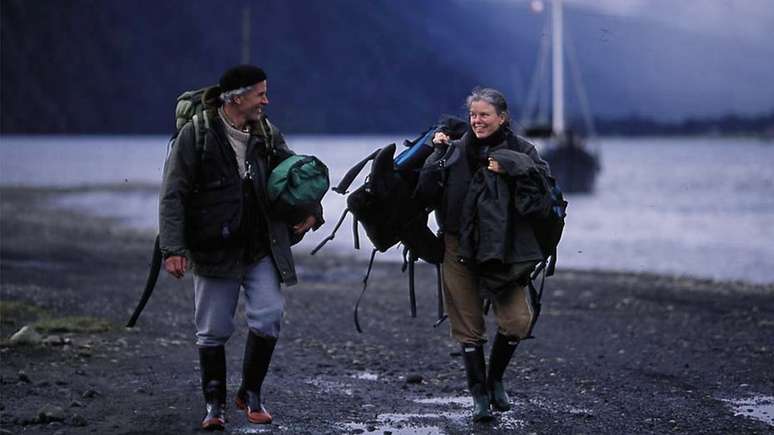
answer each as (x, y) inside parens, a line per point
(297, 184)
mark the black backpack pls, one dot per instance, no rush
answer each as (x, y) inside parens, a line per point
(389, 211)
(386, 204)
(548, 231)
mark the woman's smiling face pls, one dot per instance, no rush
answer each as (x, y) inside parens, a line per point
(484, 119)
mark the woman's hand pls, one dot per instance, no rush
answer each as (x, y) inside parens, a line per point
(440, 138)
(495, 167)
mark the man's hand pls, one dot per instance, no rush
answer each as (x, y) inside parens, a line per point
(176, 265)
(305, 225)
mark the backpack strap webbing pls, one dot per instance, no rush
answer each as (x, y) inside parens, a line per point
(365, 286)
(534, 295)
(439, 293)
(201, 123)
(150, 283)
(355, 233)
(333, 233)
(410, 260)
(412, 293)
(268, 130)
(353, 172)
(551, 265)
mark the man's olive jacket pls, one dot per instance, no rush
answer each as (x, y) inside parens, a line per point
(202, 195)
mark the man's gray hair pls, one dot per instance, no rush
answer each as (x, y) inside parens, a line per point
(491, 96)
(229, 96)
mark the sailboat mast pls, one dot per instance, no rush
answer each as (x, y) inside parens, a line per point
(557, 58)
(246, 34)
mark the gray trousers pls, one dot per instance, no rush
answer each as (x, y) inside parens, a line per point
(216, 302)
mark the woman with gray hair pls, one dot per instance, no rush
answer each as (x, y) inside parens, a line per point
(489, 248)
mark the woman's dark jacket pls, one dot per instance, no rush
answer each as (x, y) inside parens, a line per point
(206, 210)
(489, 212)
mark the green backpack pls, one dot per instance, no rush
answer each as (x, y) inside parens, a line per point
(297, 183)
(190, 107)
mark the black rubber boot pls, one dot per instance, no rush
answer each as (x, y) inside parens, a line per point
(475, 367)
(500, 356)
(258, 352)
(213, 368)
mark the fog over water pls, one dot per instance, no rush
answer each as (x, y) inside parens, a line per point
(697, 207)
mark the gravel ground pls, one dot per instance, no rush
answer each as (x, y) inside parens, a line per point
(614, 353)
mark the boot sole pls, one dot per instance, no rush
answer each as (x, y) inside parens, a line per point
(483, 419)
(213, 425)
(493, 403)
(261, 420)
(243, 406)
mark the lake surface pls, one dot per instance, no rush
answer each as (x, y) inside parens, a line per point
(696, 207)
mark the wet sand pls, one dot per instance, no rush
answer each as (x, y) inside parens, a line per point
(614, 353)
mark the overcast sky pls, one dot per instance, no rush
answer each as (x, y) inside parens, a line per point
(749, 20)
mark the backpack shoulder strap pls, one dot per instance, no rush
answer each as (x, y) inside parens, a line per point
(353, 172)
(269, 131)
(201, 123)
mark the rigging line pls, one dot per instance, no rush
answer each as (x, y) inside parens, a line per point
(543, 112)
(580, 90)
(532, 104)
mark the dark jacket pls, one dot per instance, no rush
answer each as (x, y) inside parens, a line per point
(484, 209)
(208, 212)
(495, 221)
(447, 173)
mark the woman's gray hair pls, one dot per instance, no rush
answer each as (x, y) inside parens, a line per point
(229, 96)
(491, 96)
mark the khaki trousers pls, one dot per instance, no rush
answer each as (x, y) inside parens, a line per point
(464, 303)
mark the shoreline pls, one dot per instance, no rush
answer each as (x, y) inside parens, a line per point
(615, 352)
(122, 224)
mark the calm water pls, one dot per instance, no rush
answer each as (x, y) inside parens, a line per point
(698, 207)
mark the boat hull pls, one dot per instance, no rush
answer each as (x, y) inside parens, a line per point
(574, 168)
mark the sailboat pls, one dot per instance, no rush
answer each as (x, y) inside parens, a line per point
(572, 163)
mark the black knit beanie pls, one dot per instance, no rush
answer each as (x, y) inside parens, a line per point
(241, 76)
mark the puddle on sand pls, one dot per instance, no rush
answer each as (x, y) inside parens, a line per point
(456, 417)
(421, 423)
(503, 421)
(330, 386)
(251, 429)
(402, 430)
(366, 376)
(401, 424)
(451, 400)
(411, 424)
(760, 408)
